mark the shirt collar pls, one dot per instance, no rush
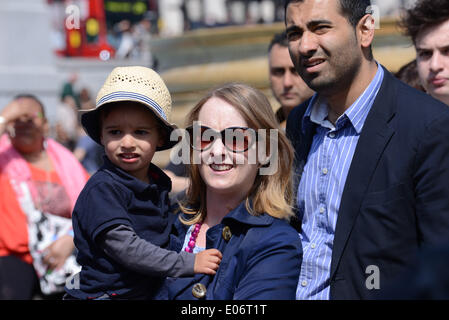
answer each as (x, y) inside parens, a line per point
(317, 110)
(158, 179)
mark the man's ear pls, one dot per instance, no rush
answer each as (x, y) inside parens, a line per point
(365, 30)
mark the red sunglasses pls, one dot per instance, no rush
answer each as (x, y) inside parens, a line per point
(235, 139)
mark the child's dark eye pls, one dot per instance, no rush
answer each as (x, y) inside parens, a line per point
(141, 132)
(114, 132)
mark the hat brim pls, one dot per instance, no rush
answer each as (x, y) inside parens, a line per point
(90, 120)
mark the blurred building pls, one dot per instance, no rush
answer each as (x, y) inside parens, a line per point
(27, 63)
(104, 24)
(177, 16)
(392, 8)
(46, 41)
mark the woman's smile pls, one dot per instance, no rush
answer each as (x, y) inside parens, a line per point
(221, 167)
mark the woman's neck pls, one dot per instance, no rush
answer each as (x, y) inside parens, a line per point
(218, 206)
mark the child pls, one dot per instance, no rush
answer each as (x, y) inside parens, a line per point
(122, 219)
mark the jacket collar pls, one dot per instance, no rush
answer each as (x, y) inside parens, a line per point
(241, 215)
(158, 179)
(317, 110)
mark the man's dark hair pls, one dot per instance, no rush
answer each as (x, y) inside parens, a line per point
(32, 97)
(280, 39)
(424, 14)
(408, 73)
(353, 10)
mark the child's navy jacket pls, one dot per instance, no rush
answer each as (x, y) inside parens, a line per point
(113, 197)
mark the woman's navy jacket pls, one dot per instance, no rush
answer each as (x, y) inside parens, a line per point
(261, 259)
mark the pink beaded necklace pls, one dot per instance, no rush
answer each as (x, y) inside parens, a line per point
(192, 240)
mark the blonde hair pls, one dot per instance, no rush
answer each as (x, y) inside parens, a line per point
(271, 194)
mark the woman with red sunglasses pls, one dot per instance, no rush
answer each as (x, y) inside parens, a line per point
(236, 205)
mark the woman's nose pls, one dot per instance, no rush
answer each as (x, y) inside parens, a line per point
(218, 149)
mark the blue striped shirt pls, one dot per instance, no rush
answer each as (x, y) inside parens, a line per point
(322, 183)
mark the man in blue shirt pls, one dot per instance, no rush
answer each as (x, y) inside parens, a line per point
(372, 166)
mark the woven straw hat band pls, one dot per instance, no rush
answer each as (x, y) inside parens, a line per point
(136, 84)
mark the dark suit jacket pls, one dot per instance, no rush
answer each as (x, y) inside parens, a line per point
(396, 196)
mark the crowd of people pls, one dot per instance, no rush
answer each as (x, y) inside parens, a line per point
(67, 129)
(357, 206)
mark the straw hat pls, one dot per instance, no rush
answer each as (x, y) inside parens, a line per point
(137, 84)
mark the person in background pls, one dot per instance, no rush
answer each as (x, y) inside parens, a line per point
(408, 73)
(142, 36)
(66, 123)
(86, 101)
(87, 151)
(427, 23)
(287, 86)
(127, 45)
(179, 178)
(69, 88)
(40, 181)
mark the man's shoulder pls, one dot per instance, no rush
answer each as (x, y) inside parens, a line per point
(294, 122)
(407, 103)
(299, 111)
(409, 96)
(413, 103)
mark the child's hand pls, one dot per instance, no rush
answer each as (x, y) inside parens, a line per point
(207, 261)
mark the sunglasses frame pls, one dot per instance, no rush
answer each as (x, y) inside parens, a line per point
(222, 135)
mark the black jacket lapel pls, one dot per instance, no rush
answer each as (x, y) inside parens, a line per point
(376, 134)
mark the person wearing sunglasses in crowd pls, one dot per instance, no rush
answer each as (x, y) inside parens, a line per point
(239, 200)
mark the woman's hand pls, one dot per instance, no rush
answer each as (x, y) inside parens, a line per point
(10, 113)
(56, 253)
